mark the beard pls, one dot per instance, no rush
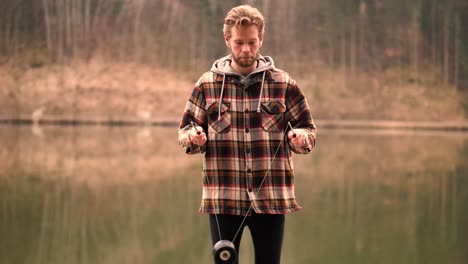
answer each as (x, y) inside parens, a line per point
(245, 62)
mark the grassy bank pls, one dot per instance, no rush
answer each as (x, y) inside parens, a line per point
(126, 91)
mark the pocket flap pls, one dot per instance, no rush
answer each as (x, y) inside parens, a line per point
(274, 107)
(213, 110)
(219, 122)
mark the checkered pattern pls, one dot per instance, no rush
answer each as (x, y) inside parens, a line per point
(242, 142)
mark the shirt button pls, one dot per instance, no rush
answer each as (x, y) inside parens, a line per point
(249, 170)
(247, 150)
(246, 110)
(250, 190)
(247, 130)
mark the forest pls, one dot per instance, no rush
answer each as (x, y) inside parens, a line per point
(396, 43)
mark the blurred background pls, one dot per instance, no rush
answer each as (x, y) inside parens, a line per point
(92, 92)
(359, 59)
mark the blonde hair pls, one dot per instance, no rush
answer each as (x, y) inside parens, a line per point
(243, 15)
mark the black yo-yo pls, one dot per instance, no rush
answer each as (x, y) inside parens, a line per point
(224, 252)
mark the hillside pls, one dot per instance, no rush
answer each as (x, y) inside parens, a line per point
(137, 60)
(129, 91)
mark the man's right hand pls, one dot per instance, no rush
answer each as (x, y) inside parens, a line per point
(197, 136)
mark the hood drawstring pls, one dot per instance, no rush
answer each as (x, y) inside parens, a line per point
(221, 97)
(222, 93)
(261, 93)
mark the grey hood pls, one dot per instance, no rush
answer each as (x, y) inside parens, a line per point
(223, 67)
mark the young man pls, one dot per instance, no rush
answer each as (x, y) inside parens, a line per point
(238, 115)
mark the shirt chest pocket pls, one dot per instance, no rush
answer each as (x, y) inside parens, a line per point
(219, 119)
(272, 116)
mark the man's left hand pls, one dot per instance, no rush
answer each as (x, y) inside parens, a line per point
(298, 138)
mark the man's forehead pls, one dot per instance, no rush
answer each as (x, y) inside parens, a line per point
(250, 32)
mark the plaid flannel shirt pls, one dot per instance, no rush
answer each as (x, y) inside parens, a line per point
(247, 157)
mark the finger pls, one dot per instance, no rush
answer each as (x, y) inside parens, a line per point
(302, 141)
(294, 141)
(298, 141)
(200, 139)
(193, 132)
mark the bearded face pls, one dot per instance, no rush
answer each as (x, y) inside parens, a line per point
(245, 45)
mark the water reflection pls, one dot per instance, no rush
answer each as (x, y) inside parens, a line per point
(129, 195)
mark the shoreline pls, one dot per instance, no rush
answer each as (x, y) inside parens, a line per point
(461, 126)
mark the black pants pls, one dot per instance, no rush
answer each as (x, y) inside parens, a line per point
(267, 234)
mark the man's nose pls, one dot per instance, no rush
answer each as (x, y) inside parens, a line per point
(245, 48)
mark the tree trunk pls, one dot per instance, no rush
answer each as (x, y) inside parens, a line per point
(446, 51)
(47, 27)
(353, 50)
(456, 51)
(415, 43)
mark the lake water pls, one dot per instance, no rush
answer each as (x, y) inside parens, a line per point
(129, 195)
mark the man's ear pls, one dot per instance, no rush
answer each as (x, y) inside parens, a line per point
(226, 39)
(260, 43)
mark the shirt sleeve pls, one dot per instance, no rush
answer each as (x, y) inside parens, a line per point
(299, 115)
(194, 113)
